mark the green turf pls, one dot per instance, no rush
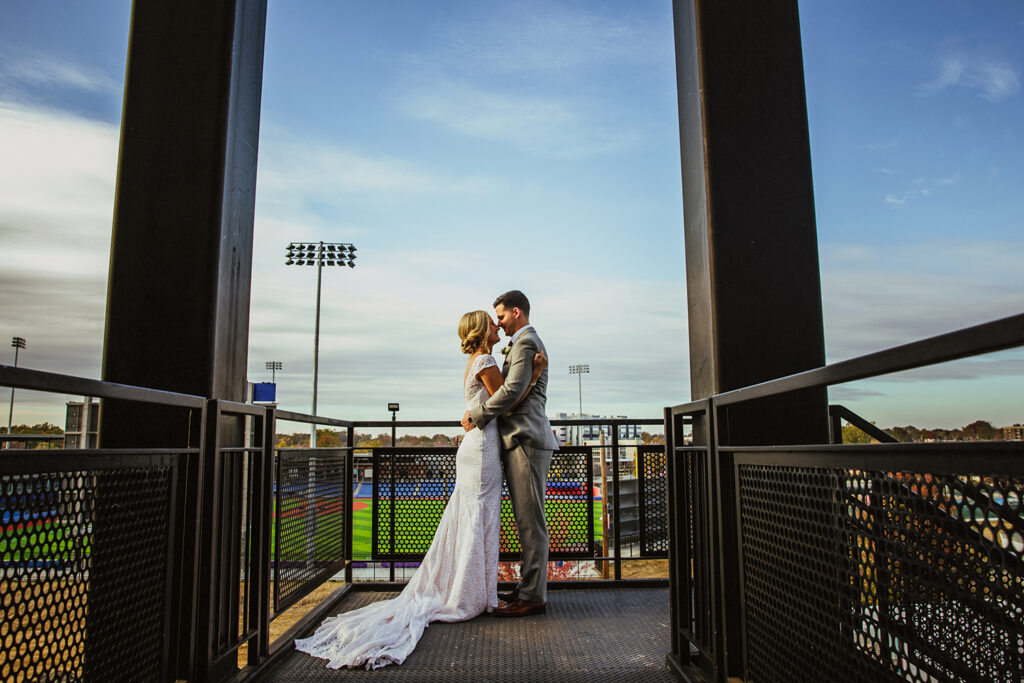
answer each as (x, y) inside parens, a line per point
(46, 540)
(49, 540)
(362, 522)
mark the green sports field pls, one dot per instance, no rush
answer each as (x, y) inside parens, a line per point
(51, 540)
(362, 522)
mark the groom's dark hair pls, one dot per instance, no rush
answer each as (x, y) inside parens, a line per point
(514, 299)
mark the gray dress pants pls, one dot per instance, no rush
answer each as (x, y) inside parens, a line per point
(526, 471)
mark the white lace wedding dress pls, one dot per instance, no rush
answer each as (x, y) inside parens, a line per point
(459, 575)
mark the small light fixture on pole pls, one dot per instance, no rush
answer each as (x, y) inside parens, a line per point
(17, 343)
(393, 407)
(319, 254)
(273, 366)
(579, 370)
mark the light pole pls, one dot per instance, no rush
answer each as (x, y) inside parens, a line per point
(579, 370)
(319, 254)
(17, 343)
(273, 366)
(393, 407)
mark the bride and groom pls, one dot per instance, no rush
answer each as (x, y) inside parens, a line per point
(506, 428)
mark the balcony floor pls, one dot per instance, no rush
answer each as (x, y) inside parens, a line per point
(587, 635)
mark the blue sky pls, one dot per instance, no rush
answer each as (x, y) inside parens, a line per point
(434, 135)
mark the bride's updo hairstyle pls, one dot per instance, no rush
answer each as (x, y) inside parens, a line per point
(473, 329)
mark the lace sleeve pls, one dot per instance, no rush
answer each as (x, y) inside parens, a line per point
(483, 361)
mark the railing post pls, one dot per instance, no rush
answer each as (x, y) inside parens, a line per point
(835, 426)
(676, 538)
(263, 502)
(616, 516)
(726, 542)
(208, 538)
(349, 502)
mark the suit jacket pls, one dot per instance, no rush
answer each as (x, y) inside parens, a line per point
(527, 423)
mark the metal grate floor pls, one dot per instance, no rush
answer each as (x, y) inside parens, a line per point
(587, 635)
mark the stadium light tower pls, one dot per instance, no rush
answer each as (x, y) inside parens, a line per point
(273, 366)
(17, 343)
(319, 254)
(579, 370)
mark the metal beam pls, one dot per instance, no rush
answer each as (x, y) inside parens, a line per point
(181, 253)
(753, 286)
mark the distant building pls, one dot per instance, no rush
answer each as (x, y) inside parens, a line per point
(584, 433)
(80, 430)
(1014, 433)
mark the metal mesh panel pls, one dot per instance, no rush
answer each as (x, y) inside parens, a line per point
(84, 556)
(412, 488)
(870, 575)
(568, 507)
(652, 470)
(309, 521)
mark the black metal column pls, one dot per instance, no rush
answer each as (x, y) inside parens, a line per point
(181, 253)
(753, 284)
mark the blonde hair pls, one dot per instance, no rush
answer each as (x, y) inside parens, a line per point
(473, 330)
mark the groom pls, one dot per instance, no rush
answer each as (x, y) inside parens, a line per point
(526, 447)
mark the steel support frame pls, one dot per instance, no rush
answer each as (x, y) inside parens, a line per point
(181, 250)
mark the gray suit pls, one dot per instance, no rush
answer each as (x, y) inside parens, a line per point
(526, 447)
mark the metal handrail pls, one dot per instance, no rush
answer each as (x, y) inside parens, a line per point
(998, 335)
(614, 422)
(38, 380)
(289, 416)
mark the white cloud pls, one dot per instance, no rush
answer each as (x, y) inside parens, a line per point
(883, 297)
(923, 187)
(886, 171)
(20, 69)
(388, 334)
(544, 37)
(294, 174)
(57, 177)
(993, 81)
(543, 126)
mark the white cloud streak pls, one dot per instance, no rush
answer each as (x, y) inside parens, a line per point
(993, 81)
(19, 69)
(877, 298)
(543, 126)
(545, 37)
(57, 178)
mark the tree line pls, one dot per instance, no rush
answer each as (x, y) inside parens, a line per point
(979, 430)
(326, 438)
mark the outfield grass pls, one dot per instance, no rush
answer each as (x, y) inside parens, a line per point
(362, 522)
(48, 540)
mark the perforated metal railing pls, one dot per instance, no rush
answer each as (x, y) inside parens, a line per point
(310, 534)
(411, 487)
(878, 573)
(652, 473)
(84, 556)
(886, 561)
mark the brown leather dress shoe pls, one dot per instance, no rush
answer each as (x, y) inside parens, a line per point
(520, 608)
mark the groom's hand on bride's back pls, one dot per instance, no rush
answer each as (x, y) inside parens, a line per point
(467, 424)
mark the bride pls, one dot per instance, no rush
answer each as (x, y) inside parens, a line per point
(458, 578)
